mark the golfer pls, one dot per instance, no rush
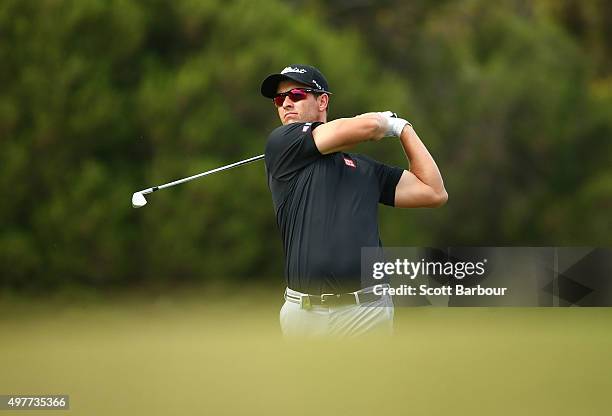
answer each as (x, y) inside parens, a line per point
(326, 203)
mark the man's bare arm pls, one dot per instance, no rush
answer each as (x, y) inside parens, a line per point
(344, 133)
(422, 185)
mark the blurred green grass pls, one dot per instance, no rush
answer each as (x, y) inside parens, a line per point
(204, 352)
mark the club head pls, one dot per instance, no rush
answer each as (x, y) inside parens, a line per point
(138, 200)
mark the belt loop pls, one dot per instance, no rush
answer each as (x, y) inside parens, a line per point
(305, 302)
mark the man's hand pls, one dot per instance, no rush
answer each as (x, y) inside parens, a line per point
(395, 124)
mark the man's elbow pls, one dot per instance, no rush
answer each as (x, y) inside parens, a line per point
(439, 199)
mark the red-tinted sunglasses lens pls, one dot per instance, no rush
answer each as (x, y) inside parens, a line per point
(294, 95)
(279, 100)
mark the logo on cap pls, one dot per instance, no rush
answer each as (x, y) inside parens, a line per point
(317, 84)
(291, 69)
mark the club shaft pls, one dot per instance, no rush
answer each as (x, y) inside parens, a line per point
(209, 172)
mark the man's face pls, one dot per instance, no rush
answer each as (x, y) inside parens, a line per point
(309, 109)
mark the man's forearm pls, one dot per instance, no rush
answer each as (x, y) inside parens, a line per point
(344, 133)
(422, 164)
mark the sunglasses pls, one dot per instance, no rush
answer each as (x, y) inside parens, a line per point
(295, 95)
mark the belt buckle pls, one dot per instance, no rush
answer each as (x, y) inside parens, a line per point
(325, 296)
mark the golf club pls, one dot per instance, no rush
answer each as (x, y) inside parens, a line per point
(138, 199)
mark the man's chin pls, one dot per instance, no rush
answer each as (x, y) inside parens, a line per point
(291, 119)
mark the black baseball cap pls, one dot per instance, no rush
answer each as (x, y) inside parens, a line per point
(304, 74)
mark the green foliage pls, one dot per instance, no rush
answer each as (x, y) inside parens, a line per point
(511, 101)
(106, 98)
(103, 98)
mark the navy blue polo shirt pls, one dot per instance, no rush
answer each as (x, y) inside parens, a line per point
(326, 208)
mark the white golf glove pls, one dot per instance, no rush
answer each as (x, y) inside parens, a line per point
(394, 123)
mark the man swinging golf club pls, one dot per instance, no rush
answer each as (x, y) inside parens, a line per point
(326, 203)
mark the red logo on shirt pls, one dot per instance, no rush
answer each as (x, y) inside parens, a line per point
(349, 162)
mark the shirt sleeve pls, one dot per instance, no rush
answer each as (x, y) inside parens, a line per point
(291, 148)
(388, 178)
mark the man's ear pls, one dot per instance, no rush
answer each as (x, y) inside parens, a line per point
(324, 101)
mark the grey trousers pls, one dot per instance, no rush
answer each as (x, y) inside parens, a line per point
(341, 321)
